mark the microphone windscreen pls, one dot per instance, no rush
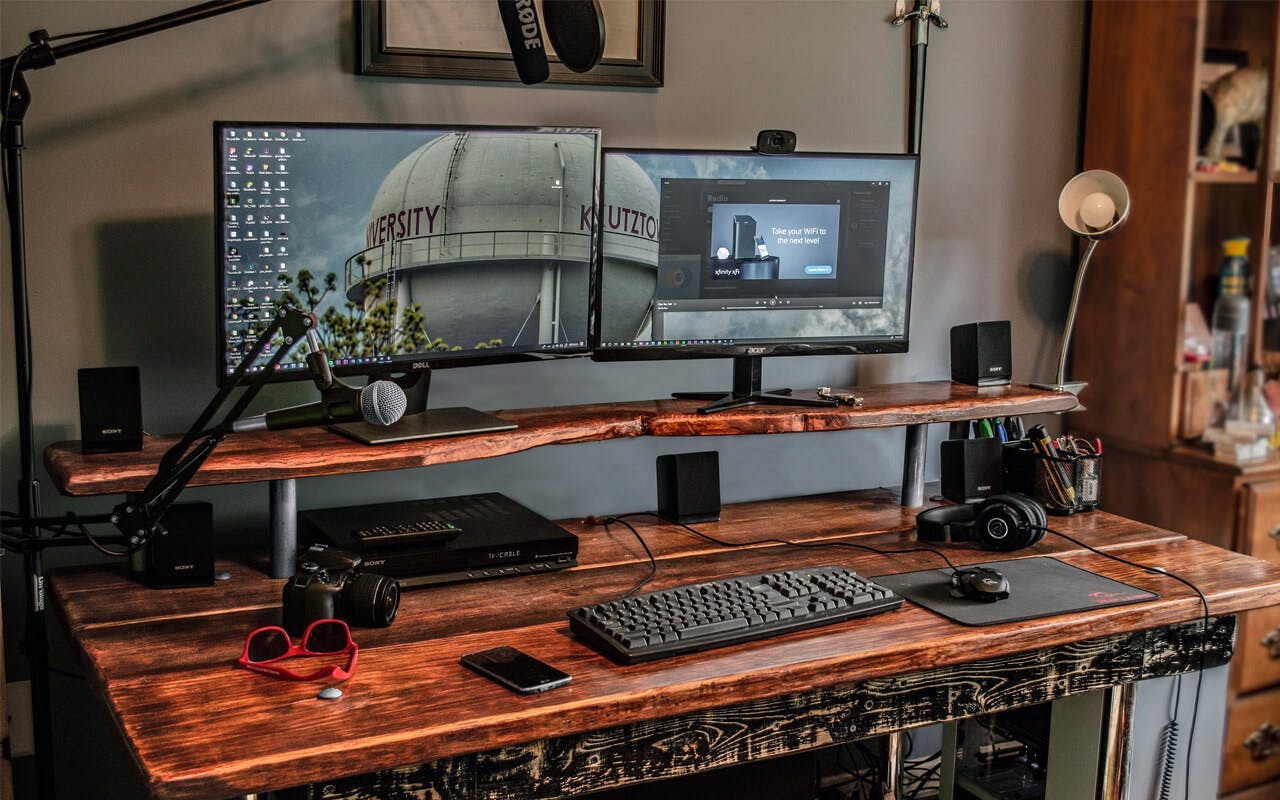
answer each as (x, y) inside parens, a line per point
(382, 403)
(524, 34)
(576, 30)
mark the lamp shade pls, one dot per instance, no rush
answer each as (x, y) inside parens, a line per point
(1094, 204)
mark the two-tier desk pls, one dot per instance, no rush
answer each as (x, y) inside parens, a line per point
(414, 723)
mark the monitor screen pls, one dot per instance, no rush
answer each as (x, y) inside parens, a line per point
(730, 253)
(414, 246)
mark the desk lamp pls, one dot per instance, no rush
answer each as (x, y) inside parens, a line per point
(1094, 205)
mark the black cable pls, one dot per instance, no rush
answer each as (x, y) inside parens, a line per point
(1204, 637)
(787, 543)
(653, 562)
(923, 781)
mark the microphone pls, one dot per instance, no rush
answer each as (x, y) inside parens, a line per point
(524, 34)
(379, 403)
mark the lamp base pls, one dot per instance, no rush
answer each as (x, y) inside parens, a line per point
(1071, 387)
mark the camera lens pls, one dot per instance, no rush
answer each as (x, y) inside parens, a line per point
(778, 140)
(371, 600)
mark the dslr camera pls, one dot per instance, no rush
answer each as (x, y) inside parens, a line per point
(328, 585)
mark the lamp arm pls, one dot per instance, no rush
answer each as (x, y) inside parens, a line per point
(1071, 313)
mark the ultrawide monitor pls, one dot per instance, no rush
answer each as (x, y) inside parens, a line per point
(710, 254)
(416, 246)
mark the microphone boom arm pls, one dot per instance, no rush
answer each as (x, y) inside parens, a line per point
(138, 518)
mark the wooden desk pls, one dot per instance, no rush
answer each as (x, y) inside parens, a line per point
(412, 716)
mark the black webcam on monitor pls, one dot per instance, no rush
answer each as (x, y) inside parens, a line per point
(775, 143)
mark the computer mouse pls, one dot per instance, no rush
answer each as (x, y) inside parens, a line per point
(979, 583)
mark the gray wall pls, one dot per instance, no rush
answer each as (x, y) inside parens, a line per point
(119, 219)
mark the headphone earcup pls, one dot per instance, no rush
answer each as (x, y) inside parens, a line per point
(1009, 522)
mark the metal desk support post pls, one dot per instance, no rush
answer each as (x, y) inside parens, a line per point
(284, 527)
(913, 465)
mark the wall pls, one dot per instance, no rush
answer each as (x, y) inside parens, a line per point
(119, 219)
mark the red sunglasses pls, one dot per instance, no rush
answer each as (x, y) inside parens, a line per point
(324, 637)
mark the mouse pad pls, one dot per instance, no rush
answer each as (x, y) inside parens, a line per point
(1038, 587)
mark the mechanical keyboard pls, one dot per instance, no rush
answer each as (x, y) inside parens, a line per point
(701, 616)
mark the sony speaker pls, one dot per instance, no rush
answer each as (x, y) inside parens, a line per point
(689, 487)
(110, 409)
(181, 554)
(972, 469)
(981, 354)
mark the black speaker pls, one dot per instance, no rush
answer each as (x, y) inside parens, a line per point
(972, 469)
(689, 487)
(110, 409)
(981, 354)
(182, 553)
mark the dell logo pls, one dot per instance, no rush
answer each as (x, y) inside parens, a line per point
(421, 365)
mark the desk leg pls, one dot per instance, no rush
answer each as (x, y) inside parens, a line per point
(1116, 740)
(947, 770)
(284, 527)
(892, 766)
(913, 465)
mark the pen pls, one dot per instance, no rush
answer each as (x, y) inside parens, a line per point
(1041, 442)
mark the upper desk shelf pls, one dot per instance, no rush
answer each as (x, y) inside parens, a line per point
(308, 452)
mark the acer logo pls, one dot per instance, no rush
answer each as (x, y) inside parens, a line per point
(757, 351)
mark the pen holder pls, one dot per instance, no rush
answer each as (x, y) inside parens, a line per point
(1046, 479)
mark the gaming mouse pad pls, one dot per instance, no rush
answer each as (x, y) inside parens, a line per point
(1038, 587)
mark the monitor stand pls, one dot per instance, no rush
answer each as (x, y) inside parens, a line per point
(747, 392)
(419, 422)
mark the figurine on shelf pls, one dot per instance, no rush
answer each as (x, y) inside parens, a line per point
(1239, 98)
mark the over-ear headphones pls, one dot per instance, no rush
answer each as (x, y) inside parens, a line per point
(1003, 522)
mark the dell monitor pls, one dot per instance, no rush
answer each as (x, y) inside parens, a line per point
(416, 247)
(730, 254)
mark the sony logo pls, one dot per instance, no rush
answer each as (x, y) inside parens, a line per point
(757, 351)
(997, 368)
(377, 563)
(110, 431)
(984, 488)
(184, 566)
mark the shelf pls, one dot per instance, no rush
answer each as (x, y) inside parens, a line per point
(309, 452)
(1248, 176)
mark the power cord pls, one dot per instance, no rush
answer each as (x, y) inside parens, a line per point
(653, 562)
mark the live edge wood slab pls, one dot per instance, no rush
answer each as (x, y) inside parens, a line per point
(309, 452)
(413, 723)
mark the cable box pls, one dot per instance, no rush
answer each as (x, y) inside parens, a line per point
(495, 537)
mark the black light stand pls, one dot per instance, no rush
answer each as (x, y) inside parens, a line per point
(16, 101)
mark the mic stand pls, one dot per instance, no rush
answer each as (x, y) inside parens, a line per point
(926, 13)
(15, 95)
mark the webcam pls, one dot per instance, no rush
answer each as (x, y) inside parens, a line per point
(773, 143)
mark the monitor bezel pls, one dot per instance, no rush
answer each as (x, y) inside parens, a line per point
(833, 346)
(427, 361)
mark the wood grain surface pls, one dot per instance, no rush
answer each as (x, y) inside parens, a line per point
(198, 727)
(308, 452)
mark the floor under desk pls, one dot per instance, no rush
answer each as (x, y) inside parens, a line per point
(412, 718)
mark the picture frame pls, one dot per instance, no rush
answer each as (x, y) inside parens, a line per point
(464, 40)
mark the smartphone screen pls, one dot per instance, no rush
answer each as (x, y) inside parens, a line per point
(515, 670)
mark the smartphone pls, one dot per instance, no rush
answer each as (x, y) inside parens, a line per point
(515, 670)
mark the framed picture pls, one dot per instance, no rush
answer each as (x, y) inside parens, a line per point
(464, 40)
